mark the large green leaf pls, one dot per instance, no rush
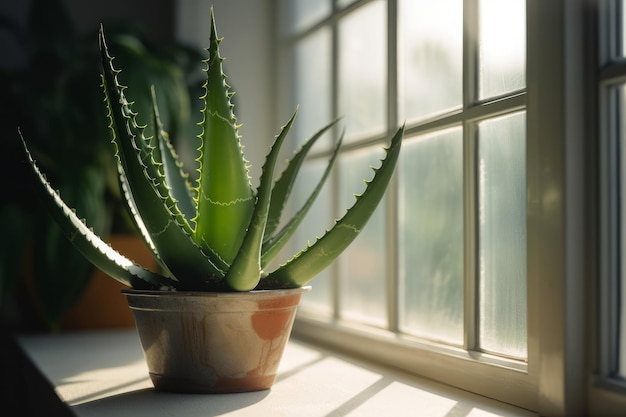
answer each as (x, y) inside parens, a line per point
(245, 272)
(273, 244)
(225, 199)
(303, 267)
(88, 243)
(148, 196)
(61, 272)
(145, 69)
(175, 178)
(283, 186)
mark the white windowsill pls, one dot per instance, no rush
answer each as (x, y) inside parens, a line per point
(102, 373)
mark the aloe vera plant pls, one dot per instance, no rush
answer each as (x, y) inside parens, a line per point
(217, 233)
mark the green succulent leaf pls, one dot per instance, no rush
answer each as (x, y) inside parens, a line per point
(245, 272)
(283, 186)
(175, 178)
(98, 252)
(148, 195)
(225, 199)
(273, 244)
(144, 69)
(303, 267)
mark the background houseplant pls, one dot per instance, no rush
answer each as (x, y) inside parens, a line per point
(211, 237)
(60, 111)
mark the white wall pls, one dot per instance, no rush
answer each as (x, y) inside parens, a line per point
(247, 29)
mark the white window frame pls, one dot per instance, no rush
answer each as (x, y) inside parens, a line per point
(556, 211)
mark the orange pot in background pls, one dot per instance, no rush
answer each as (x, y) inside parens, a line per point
(103, 306)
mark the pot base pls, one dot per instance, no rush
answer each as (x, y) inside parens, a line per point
(221, 386)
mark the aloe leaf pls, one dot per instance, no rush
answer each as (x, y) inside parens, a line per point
(99, 253)
(148, 195)
(273, 245)
(245, 272)
(283, 186)
(304, 266)
(175, 178)
(225, 199)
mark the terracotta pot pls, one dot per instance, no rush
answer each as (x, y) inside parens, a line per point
(213, 342)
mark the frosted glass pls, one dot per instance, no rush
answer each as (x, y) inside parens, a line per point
(431, 57)
(502, 235)
(302, 14)
(362, 70)
(319, 218)
(311, 85)
(502, 46)
(363, 265)
(431, 240)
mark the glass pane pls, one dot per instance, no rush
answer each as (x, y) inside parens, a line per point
(319, 218)
(431, 240)
(363, 265)
(502, 235)
(301, 14)
(311, 85)
(621, 139)
(502, 46)
(362, 70)
(431, 57)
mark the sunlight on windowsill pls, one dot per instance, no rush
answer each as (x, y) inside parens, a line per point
(103, 373)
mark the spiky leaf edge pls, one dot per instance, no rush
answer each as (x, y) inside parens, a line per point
(284, 184)
(176, 180)
(224, 196)
(305, 265)
(245, 271)
(273, 245)
(148, 194)
(175, 177)
(98, 252)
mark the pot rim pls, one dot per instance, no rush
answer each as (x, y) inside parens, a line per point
(220, 294)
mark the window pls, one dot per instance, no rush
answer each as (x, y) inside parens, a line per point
(441, 269)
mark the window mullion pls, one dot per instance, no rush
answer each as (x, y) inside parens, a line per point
(470, 190)
(336, 284)
(470, 53)
(612, 231)
(393, 281)
(610, 298)
(470, 89)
